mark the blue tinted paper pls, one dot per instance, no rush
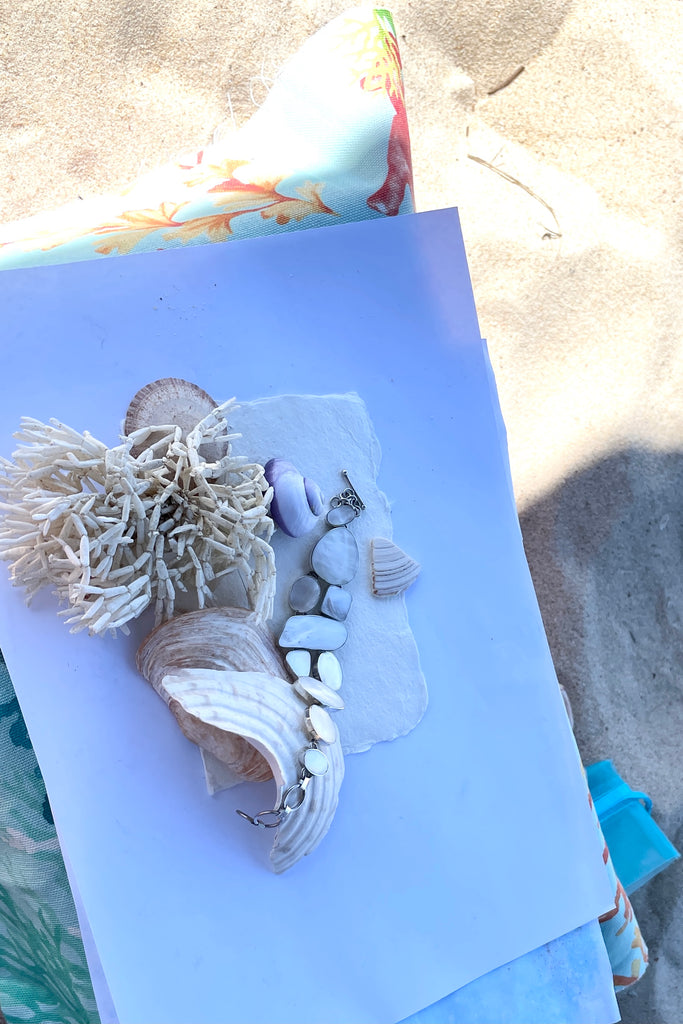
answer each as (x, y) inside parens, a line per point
(567, 981)
(455, 849)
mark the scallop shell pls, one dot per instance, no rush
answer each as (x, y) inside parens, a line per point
(393, 570)
(222, 677)
(170, 401)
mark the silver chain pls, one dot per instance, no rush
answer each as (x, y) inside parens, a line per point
(292, 799)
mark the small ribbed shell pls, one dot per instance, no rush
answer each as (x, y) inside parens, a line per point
(221, 676)
(393, 570)
(168, 400)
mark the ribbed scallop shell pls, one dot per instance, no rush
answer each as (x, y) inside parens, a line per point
(170, 401)
(393, 570)
(221, 676)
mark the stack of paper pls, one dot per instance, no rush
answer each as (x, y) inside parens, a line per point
(456, 848)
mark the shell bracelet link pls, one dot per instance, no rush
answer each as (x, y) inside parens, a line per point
(310, 636)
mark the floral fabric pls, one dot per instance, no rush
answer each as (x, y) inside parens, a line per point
(625, 945)
(329, 145)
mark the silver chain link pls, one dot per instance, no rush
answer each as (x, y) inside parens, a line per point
(287, 804)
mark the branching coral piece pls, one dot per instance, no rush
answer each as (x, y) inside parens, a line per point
(114, 532)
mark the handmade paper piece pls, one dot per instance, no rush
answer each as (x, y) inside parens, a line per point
(384, 690)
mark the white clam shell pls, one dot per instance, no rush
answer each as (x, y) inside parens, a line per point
(214, 638)
(222, 677)
(265, 711)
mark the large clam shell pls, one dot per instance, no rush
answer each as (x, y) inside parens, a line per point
(222, 677)
(215, 638)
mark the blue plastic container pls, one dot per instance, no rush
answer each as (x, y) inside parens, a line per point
(638, 847)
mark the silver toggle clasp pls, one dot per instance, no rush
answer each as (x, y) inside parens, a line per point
(349, 496)
(356, 495)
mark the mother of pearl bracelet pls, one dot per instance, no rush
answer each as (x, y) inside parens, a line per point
(311, 636)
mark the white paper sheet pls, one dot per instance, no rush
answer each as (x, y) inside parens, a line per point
(455, 848)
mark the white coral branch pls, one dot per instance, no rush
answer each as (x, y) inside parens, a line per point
(115, 532)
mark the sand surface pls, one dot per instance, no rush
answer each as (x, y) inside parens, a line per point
(581, 305)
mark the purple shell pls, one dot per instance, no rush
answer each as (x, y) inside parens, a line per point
(297, 502)
(316, 502)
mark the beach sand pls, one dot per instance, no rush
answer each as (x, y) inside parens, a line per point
(578, 289)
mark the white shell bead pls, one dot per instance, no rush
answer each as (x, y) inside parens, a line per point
(313, 688)
(315, 762)
(340, 515)
(335, 556)
(304, 594)
(336, 603)
(315, 632)
(320, 725)
(298, 663)
(329, 670)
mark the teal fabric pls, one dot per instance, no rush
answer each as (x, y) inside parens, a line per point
(43, 973)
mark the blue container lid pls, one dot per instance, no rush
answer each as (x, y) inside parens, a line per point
(638, 847)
